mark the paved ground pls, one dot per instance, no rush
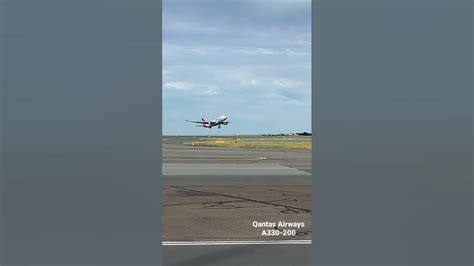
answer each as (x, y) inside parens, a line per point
(217, 193)
(219, 169)
(252, 255)
(176, 150)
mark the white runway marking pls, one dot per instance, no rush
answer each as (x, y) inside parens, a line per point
(237, 242)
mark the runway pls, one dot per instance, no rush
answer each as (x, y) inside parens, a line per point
(237, 255)
(219, 169)
(177, 150)
(217, 194)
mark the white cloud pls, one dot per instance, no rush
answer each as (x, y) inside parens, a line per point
(211, 90)
(166, 74)
(178, 85)
(191, 88)
(174, 50)
(172, 25)
(250, 82)
(286, 83)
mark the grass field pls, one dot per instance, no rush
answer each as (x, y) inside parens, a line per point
(284, 143)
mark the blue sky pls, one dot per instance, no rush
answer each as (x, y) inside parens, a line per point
(247, 59)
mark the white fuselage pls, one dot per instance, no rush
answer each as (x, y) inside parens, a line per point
(221, 120)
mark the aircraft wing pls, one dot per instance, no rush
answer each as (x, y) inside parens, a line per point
(197, 122)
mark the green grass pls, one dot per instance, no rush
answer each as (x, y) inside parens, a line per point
(283, 143)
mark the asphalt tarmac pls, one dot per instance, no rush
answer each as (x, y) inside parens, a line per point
(177, 150)
(226, 194)
(237, 255)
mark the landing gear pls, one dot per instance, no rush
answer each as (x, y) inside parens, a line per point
(219, 126)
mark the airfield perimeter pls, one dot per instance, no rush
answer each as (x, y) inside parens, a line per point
(215, 193)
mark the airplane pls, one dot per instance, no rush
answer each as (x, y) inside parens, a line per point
(221, 120)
